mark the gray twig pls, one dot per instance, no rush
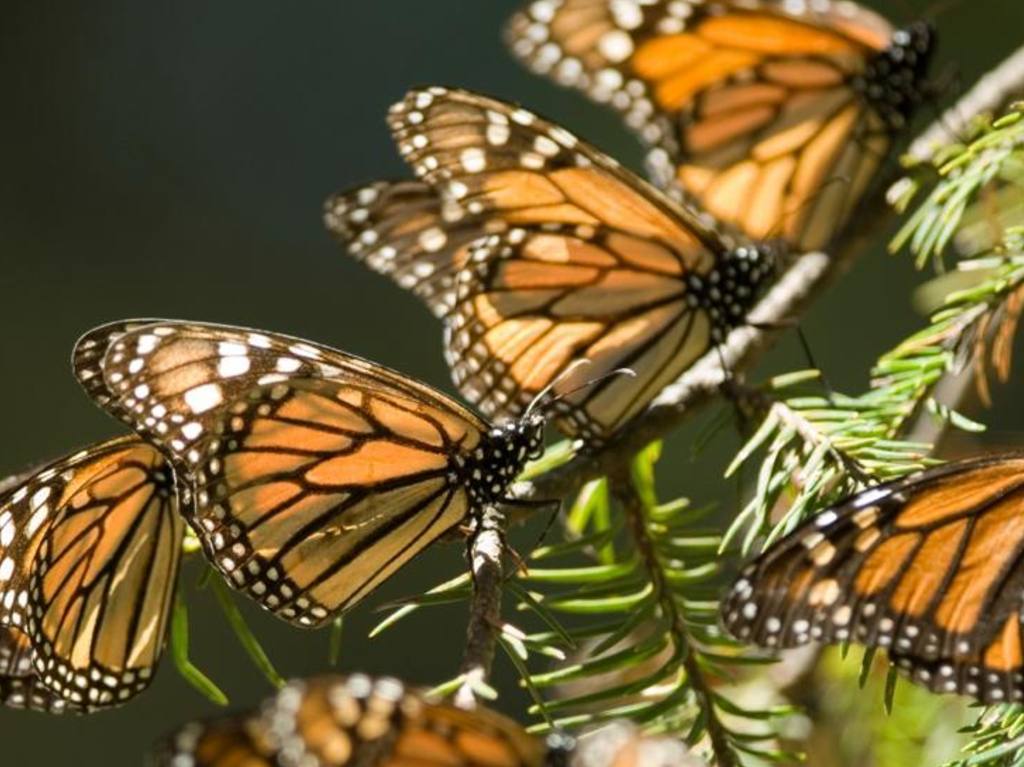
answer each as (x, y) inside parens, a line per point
(486, 552)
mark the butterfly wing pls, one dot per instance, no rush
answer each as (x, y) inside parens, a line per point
(926, 567)
(233, 741)
(774, 119)
(403, 230)
(89, 553)
(337, 721)
(19, 685)
(594, 264)
(316, 474)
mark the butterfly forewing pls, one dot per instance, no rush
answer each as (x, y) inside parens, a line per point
(94, 546)
(926, 567)
(496, 160)
(536, 302)
(773, 117)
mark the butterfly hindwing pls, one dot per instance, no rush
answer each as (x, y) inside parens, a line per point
(88, 573)
(925, 567)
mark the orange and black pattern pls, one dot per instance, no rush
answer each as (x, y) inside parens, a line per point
(577, 259)
(315, 474)
(89, 553)
(771, 116)
(927, 567)
(356, 721)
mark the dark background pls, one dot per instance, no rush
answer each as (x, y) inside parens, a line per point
(171, 160)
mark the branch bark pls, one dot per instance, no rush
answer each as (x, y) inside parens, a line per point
(486, 551)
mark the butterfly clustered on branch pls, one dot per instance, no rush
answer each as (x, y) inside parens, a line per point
(568, 290)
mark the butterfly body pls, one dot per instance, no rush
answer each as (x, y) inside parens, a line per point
(926, 567)
(314, 474)
(771, 116)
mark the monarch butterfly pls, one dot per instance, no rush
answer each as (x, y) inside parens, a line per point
(927, 567)
(315, 474)
(564, 256)
(338, 721)
(752, 106)
(89, 552)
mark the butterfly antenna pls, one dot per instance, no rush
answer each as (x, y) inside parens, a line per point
(592, 382)
(806, 346)
(554, 382)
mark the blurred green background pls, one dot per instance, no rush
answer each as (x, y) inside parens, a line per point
(171, 160)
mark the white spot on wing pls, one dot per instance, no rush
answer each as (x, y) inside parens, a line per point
(204, 397)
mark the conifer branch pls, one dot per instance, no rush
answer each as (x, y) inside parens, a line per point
(635, 510)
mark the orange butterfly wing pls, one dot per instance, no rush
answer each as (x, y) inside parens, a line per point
(229, 742)
(772, 120)
(338, 721)
(926, 567)
(19, 685)
(89, 553)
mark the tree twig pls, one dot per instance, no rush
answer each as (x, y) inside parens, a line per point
(636, 517)
(486, 551)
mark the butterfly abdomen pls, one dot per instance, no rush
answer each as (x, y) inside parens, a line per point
(893, 81)
(730, 289)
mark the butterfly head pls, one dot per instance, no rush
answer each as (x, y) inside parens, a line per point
(503, 454)
(731, 288)
(894, 81)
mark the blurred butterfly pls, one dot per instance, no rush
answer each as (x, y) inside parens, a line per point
(754, 107)
(315, 474)
(561, 255)
(337, 721)
(927, 567)
(89, 552)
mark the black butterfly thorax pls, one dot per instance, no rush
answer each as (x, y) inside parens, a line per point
(894, 81)
(500, 457)
(730, 289)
